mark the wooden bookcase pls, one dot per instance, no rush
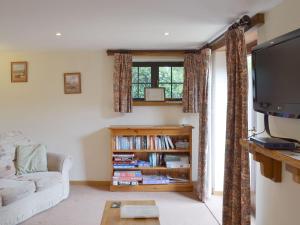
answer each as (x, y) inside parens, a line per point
(176, 133)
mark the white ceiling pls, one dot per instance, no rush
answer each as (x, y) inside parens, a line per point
(117, 24)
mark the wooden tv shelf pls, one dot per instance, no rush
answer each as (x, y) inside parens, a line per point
(271, 161)
(175, 132)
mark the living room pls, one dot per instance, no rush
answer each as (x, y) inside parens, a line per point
(65, 108)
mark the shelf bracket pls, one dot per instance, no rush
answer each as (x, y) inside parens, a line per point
(295, 172)
(269, 167)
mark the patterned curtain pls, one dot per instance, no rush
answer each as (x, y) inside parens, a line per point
(236, 199)
(195, 100)
(191, 89)
(122, 83)
(203, 181)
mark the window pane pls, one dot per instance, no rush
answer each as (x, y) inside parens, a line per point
(165, 74)
(142, 89)
(177, 90)
(135, 78)
(167, 89)
(177, 74)
(144, 74)
(135, 91)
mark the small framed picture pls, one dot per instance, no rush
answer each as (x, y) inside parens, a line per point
(72, 83)
(19, 72)
(155, 94)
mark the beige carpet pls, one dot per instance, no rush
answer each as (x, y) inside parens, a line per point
(215, 204)
(85, 206)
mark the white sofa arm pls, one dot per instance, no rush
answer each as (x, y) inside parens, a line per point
(59, 162)
(62, 164)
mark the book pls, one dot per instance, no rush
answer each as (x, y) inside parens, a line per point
(174, 180)
(170, 142)
(124, 166)
(127, 178)
(176, 158)
(177, 161)
(128, 173)
(123, 155)
(182, 144)
(177, 165)
(125, 183)
(145, 142)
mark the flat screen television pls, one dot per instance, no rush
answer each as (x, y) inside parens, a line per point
(276, 76)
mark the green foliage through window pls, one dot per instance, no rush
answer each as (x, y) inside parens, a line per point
(169, 75)
(141, 78)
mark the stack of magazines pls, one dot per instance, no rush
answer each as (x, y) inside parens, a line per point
(142, 163)
(124, 161)
(182, 144)
(127, 177)
(155, 179)
(177, 161)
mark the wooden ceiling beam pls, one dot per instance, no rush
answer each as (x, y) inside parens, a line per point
(152, 52)
(250, 46)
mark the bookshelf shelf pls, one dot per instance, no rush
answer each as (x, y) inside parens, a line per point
(185, 187)
(143, 142)
(152, 168)
(151, 150)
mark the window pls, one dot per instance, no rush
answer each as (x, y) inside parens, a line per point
(168, 75)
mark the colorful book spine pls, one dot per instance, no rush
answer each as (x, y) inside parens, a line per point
(145, 142)
(127, 173)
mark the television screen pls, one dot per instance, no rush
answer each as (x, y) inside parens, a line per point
(276, 76)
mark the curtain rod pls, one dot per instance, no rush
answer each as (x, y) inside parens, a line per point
(249, 23)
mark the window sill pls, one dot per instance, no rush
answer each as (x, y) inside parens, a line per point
(165, 103)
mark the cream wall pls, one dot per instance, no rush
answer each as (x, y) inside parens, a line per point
(219, 108)
(74, 124)
(279, 203)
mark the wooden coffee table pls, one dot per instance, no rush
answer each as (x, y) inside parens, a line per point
(111, 216)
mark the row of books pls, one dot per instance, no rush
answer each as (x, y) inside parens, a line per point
(127, 161)
(156, 159)
(143, 142)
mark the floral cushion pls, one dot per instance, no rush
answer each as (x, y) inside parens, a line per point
(8, 143)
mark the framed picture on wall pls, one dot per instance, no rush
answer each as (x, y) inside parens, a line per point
(72, 83)
(19, 72)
